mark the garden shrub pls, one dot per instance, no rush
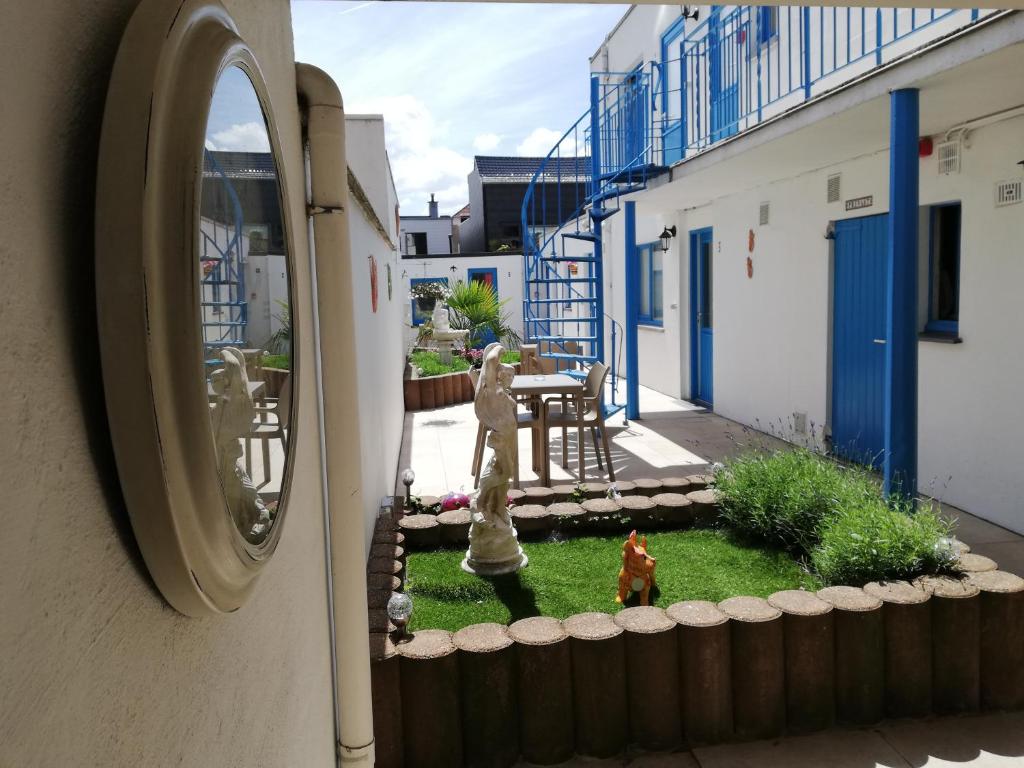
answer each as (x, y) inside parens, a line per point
(782, 498)
(872, 540)
(430, 364)
(832, 514)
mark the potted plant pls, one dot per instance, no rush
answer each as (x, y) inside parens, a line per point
(427, 294)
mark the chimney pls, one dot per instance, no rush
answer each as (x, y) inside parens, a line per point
(433, 206)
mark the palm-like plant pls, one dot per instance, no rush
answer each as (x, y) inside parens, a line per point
(475, 307)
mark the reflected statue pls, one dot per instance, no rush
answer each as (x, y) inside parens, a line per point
(493, 542)
(232, 417)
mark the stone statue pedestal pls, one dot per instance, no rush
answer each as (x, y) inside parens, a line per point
(493, 550)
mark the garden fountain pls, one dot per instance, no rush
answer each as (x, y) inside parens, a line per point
(442, 333)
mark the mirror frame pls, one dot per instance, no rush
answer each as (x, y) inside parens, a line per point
(149, 183)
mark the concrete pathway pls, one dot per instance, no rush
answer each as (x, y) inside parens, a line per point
(982, 741)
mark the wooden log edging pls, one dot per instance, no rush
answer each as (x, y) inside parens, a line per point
(600, 709)
(544, 686)
(758, 667)
(705, 669)
(859, 655)
(809, 641)
(697, 673)
(429, 392)
(652, 677)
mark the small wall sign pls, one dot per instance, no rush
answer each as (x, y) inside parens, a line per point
(857, 203)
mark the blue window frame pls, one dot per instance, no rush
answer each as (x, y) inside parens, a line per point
(767, 23)
(651, 283)
(486, 275)
(419, 316)
(944, 269)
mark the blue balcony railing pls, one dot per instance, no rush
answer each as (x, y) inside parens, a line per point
(745, 64)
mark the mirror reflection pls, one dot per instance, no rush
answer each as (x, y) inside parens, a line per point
(244, 311)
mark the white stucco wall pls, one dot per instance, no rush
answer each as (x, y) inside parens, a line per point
(471, 233)
(772, 334)
(367, 133)
(378, 334)
(438, 232)
(97, 669)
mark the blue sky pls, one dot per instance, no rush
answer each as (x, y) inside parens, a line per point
(455, 79)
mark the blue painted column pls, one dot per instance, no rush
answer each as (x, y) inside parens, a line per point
(632, 315)
(900, 464)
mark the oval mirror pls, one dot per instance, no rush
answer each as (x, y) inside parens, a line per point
(244, 309)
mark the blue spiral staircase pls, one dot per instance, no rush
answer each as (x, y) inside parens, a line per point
(607, 153)
(222, 300)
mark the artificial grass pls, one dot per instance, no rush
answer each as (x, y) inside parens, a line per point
(581, 574)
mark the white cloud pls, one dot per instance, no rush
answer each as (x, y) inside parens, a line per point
(420, 160)
(486, 142)
(538, 143)
(241, 137)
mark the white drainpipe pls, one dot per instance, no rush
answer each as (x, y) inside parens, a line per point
(324, 113)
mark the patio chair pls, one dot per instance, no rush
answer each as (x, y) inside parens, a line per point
(265, 432)
(562, 413)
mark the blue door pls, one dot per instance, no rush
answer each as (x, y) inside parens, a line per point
(858, 339)
(701, 317)
(725, 41)
(487, 276)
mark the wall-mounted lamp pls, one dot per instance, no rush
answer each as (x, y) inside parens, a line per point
(830, 231)
(453, 268)
(691, 13)
(666, 237)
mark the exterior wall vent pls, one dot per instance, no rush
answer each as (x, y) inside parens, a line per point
(948, 155)
(765, 211)
(833, 188)
(1008, 192)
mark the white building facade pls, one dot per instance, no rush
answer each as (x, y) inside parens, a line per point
(769, 155)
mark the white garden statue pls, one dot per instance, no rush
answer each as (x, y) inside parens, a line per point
(231, 417)
(493, 542)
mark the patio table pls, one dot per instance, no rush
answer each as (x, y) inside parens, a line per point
(536, 386)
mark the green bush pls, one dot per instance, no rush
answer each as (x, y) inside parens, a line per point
(510, 356)
(871, 540)
(782, 498)
(832, 514)
(280, 362)
(430, 364)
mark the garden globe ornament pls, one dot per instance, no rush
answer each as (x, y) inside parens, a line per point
(408, 478)
(400, 611)
(637, 572)
(493, 542)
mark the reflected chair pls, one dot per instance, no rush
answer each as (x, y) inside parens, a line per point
(562, 413)
(266, 431)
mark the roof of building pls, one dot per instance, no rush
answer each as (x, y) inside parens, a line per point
(240, 165)
(522, 169)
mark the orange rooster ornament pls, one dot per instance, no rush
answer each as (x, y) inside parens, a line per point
(637, 572)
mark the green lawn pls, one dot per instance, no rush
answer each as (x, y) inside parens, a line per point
(581, 574)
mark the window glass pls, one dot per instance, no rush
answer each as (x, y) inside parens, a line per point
(645, 282)
(944, 296)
